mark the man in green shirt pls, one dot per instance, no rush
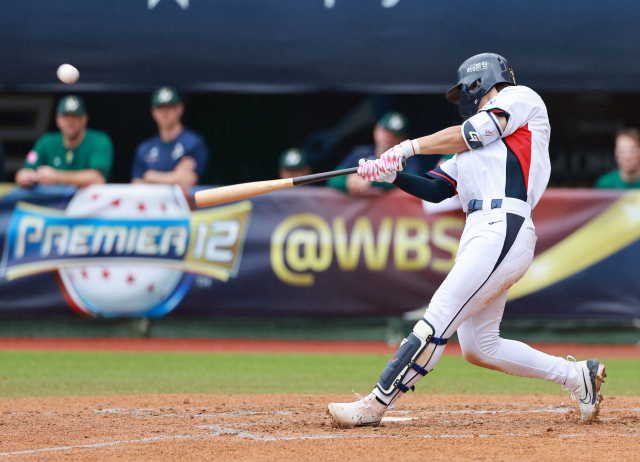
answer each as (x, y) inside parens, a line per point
(627, 153)
(75, 155)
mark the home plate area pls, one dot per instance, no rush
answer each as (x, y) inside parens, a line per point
(295, 427)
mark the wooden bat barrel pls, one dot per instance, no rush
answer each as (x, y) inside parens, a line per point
(236, 192)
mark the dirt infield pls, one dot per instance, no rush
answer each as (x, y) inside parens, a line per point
(296, 427)
(281, 346)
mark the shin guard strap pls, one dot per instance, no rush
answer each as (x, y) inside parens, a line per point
(405, 389)
(420, 370)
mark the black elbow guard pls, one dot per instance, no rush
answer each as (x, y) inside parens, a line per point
(471, 136)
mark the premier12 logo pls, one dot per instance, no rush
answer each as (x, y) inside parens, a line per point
(119, 250)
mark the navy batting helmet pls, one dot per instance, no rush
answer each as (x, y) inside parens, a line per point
(476, 76)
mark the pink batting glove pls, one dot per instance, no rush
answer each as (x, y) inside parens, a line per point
(391, 161)
(369, 170)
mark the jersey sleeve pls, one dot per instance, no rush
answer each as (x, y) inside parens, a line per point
(200, 154)
(35, 157)
(101, 157)
(517, 104)
(139, 166)
(448, 172)
(428, 189)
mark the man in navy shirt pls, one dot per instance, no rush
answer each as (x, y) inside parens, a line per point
(176, 155)
(390, 130)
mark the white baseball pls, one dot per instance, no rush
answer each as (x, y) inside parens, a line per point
(68, 74)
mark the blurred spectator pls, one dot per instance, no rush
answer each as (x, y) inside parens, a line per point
(1, 161)
(75, 155)
(627, 153)
(390, 130)
(176, 155)
(293, 162)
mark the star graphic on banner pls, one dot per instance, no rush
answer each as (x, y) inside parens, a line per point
(184, 4)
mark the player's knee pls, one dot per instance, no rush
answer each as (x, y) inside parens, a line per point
(470, 350)
(476, 354)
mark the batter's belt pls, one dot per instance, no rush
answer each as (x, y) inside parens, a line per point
(507, 204)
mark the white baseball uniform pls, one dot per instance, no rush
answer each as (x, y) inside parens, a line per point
(508, 172)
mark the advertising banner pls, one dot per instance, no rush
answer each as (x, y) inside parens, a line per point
(139, 250)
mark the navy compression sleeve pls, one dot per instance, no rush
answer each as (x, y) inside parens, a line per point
(427, 189)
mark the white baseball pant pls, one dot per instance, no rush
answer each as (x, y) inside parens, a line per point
(496, 249)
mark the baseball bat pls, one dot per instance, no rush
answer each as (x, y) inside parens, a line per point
(236, 192)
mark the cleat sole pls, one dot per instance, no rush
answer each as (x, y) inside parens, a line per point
(600, 375)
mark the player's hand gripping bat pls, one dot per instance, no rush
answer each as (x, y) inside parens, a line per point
(236, 192)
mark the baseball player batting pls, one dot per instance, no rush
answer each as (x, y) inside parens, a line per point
(499, 173)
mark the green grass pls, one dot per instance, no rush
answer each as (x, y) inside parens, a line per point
(24, 373)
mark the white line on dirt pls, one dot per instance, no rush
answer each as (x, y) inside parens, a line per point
(145, 412)
(559, 410)
(397, 419)
(98, 445)
(219, 430)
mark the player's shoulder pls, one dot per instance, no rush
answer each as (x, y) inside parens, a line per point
(148, 143)
(608, 180)
(190, 137)
(519, 93)
(51, 137)
(363, 151)
(513, 97)
(98, 136)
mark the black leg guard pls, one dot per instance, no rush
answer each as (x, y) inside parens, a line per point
(405, 358)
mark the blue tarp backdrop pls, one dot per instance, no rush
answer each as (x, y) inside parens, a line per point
(375, 46)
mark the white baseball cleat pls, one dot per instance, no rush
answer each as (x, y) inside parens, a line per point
(365, 412)
(586, 388)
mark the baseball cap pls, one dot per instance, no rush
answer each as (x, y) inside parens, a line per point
(394, 122)
(293, 159)
(71, 104)
(165, 96)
